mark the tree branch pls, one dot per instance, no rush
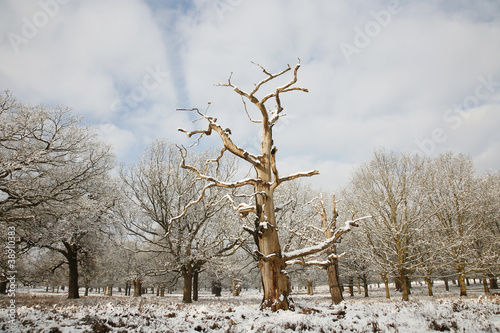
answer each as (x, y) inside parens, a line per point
(323, 245)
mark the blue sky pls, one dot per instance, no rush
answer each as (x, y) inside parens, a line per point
(405, 75)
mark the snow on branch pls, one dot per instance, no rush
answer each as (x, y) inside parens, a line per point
(321, 263)
(186, 208)
(213, 181)
(325, 244)
(243, 208)
(294, 176)
(224, 135)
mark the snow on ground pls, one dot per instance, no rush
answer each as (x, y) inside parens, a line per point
(45, 312)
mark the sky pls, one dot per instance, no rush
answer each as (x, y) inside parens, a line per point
(408, 76)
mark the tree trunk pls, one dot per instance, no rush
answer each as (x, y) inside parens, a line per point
(358, 286)
(310, 290)
(365, 285)
(216, 288)
(405, 288)
(162, 292)
(446, 285)
(429, 286)
(72, 257)
(236, 287)
(493, 283)
(485, 286)
(187, 274)
(333, 282)
(86, 291)
(397, 283)
(195, 284)
(137, 287)
(351, 287)
(461, 283)
(386, 284)
(108, 291)
(275, 281)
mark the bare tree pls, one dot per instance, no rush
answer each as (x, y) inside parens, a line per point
(271, 259)
(311, 234)
(174, 217)
(455, 194)
(53, 180)
(390, 188)
(39, 148)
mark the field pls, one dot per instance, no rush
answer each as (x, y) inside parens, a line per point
(38, 311)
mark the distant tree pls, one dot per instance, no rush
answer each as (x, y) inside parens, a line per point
(174, 216)
(465, 209)
(390, 188)
(54, 183)
(487, 242)
(45, 157)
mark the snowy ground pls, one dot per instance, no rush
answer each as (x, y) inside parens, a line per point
(38, 311)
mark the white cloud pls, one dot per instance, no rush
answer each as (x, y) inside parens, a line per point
(393, 93)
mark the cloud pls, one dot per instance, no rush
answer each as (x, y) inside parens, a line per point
(86, 56)
(419, 62)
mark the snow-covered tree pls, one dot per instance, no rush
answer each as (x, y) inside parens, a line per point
(174, 216)
(487, 241)
(45, 157)
(54, 183)
(390, 188)
(461, 212)
(271, 258)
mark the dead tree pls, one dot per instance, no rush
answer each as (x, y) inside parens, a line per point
(332, 264)
(271, 259)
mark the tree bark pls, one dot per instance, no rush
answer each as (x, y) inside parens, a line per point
(493, 283)
(358, 286)
(195, 285)
(461, 283)
(216, 288)
(72, 257)
(236, 287)
(275, 281)
(397, 283)
(365, 285)
(137, 287)
(187, 274)
(485, 286)
(386, 284)
(333, 282)
(310, 290)
(428, 281)
(446, 285)
(332, 269)
(404, 286)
